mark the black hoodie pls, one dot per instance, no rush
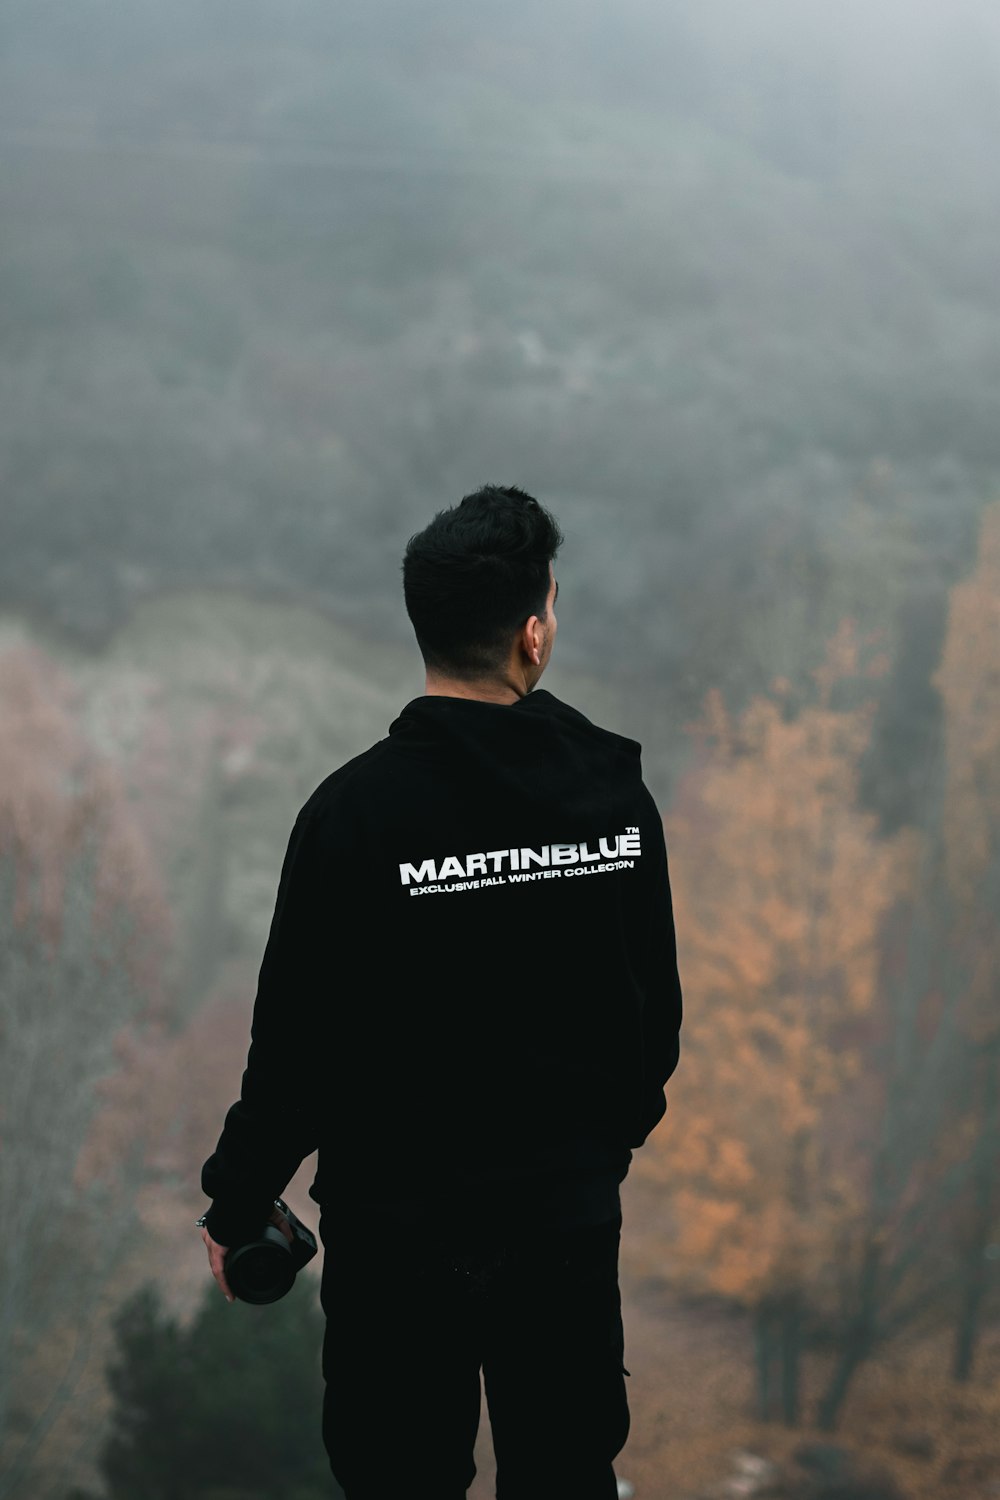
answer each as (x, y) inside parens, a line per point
(469, 1000)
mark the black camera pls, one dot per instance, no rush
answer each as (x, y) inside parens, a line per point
(264, 1268)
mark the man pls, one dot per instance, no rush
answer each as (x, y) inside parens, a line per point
(469, 1003)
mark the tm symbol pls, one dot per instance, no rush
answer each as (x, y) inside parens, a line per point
(631, 830)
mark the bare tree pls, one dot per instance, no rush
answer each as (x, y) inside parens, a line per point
(80, 923)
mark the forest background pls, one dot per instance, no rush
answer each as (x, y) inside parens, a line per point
(718, 284)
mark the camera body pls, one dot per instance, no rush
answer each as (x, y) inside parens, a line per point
(264, 1269)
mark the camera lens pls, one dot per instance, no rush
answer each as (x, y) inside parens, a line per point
(260, 1272)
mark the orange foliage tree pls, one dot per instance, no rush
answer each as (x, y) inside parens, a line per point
(82, 923)
(781, 890)
(968, 680)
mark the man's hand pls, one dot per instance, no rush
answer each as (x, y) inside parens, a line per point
(217, 1253)
(217, 1261)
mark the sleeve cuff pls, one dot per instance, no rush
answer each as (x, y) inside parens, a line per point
(232, 1224)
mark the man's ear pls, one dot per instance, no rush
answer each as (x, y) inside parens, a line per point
(533, 639)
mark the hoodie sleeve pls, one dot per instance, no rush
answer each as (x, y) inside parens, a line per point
(662, 1011)
(268, 1131)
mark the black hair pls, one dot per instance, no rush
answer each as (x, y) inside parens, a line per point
(474, 575)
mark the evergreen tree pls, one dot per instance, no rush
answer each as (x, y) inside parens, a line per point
(227, 1408)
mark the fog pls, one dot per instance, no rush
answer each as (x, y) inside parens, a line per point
(274, 287)
(717, 283)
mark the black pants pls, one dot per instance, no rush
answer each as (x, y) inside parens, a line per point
(412, 1317)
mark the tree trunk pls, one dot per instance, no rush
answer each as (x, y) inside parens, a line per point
(777, 1340)
(764, 1353)
(859, 1341)
(828, 1409)
(983, 1217)
(791, 1351)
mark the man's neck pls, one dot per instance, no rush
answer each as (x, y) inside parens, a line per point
(489, 690)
